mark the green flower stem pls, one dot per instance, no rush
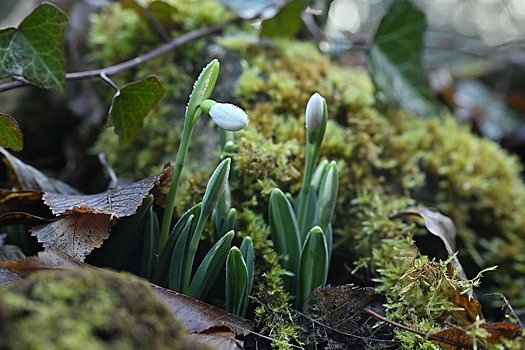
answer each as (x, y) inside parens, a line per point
(175, 180)
(312, 151)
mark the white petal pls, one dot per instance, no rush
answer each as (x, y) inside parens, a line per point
(314, 112)
(229, 117)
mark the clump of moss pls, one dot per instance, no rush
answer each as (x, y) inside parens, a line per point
(85, 309)
(388, 161)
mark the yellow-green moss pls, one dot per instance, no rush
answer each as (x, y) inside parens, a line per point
(388, 161)
(85, 309)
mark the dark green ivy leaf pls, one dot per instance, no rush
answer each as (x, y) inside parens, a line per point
(287, 22)
(10, 133)
(394, 60)
(131, 105)
(34, 49)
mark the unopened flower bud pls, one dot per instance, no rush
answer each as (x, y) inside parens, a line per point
(314, 112)
(225, 115)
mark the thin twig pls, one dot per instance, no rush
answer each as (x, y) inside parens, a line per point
(112, 70)
(426, 336)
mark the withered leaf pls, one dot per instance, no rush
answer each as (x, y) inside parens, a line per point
(76, 235)
(441, 226)
(14, 200)
(197, 316)
(116, 203)
(497, 332)
(46, 260)
(24, 177)
(218, 339)
(15, 217)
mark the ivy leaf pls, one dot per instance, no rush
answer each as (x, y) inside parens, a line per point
(394, 60)
(286, 23)
(34, 49)
(10, 133)
(131, 105)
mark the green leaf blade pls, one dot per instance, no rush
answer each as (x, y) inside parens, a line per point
(236, 281)
(313, 271)
(284, 229)
(35, 49)
(10, 133)
(132, 104)
(210, 267)
(394, 60)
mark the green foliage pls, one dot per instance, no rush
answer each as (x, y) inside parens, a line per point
(34, 50)
(287, 22)
(10, 133)
(394, 60)
(236, 282)
(131, 104)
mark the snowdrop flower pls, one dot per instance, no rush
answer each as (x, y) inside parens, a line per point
(314, 112)
(225, 115)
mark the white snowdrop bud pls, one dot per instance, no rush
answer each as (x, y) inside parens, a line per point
(314, 112)
(228, 116)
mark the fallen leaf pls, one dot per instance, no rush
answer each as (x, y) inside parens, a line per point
(497, 332)
(197, 316)
(46, 260)
(21, 218)
(218, 339)
(76, 235)
(9, 252)
(24, 177)
(115, 203)
(441, 226)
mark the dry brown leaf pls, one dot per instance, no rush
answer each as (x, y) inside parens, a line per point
(24, 177)
(47, 260)
(14, 200)
(22, 218)
(441, 226)
(115, 203)
(497, 332)
(218, 340)
(76, 235)
(197, 316)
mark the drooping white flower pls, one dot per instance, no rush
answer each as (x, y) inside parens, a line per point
(228, 116)
(314, 112)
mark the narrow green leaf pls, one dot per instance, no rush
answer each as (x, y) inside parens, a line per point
(236, 281)
(179, 262)
(125, 236)
(394, 60)
(230, 223)
(210, 267)
(313, 270)
(287, 22)
(214, 190)
(160, 275)
(248, 255)
(151, 239)
(202, 90)
(284, 229)
(10, 133)
(327, 198)
(35, 49)
(132, 104)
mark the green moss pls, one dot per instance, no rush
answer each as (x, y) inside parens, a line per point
(85, 309)
(388, 161)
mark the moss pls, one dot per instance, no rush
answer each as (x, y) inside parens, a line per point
(388, 161)
(85, 309)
